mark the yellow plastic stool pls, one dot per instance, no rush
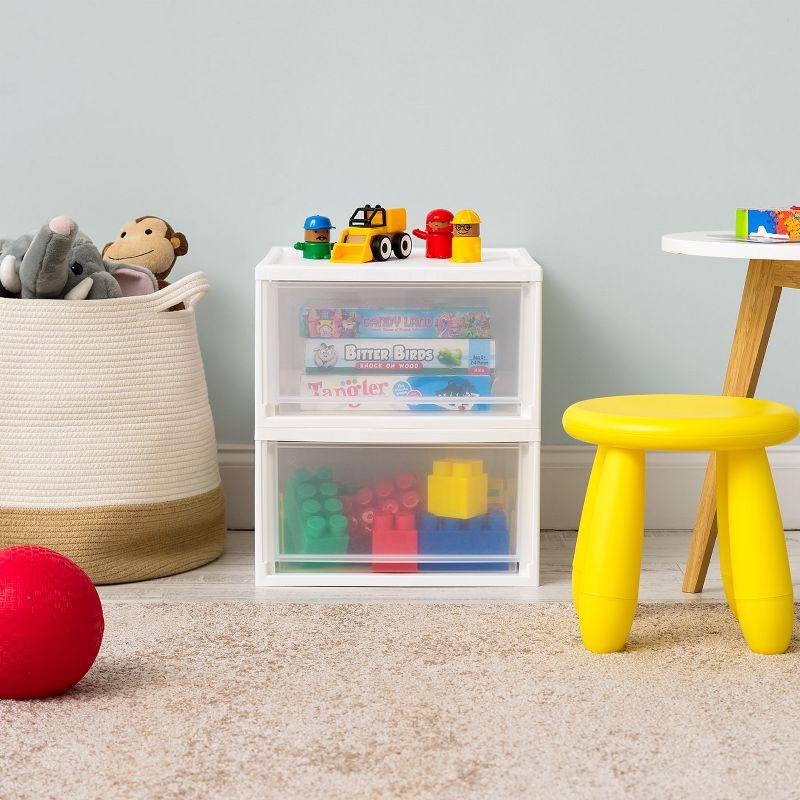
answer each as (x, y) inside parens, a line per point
(752, 548)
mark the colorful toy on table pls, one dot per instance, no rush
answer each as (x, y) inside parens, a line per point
(374, 233)
(462, 356)
(458, 520)
(409, 323)
(316, 243)
(466, 237)
(313, 518)
(768, 224)
(438, 233)
(388, 392)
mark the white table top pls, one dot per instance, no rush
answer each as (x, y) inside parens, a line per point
(723, 244)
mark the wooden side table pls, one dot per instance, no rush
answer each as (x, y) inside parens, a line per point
(771, 267)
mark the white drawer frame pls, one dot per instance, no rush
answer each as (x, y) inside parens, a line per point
(500, 266)
(527, 516)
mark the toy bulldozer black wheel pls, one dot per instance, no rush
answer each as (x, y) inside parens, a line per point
(381, 248)
(401, 244)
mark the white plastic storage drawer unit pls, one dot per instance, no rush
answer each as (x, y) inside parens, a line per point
(397, 421)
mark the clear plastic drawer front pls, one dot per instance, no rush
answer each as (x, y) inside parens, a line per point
(345, 348)
(394, 508)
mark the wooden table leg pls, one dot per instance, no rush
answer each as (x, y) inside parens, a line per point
(762, 291)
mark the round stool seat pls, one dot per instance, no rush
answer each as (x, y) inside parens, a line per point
(681, 422)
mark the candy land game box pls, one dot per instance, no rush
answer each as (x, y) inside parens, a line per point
(435, 323)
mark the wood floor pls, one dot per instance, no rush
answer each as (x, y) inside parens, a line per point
(230, 578)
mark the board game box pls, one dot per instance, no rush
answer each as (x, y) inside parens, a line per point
(768, 224)
(360, 392)
(454, 356)
(409, 323)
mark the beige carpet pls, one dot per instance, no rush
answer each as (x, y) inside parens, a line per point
(410, 701)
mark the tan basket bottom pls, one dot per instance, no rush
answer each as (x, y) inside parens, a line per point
(117, 544)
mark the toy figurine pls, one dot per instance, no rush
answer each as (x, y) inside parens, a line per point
(438, 233)
(466, 237)
(317, 242)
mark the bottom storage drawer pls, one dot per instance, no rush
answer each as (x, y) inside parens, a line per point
(396, 508)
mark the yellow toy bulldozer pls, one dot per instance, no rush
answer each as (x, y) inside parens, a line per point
(374, 233)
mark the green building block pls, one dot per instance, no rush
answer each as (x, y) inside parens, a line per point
(312, 519)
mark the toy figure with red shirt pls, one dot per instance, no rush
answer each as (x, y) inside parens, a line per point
(438, 234)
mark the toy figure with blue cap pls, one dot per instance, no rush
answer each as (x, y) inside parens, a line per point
(317, 242)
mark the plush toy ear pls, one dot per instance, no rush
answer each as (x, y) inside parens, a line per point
(8, 274)
(134, 280)
(179, 244)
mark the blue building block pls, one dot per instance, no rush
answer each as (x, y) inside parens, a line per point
(485, 535)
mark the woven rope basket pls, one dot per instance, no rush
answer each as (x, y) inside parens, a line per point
(107, 447)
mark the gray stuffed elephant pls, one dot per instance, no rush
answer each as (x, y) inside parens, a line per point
(12, 252)
(60, 262)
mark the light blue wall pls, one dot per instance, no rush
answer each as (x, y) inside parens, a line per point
(580, 130)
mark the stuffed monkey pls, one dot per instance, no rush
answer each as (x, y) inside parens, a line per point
(150, 242)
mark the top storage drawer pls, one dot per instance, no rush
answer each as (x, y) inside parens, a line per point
(389, 340)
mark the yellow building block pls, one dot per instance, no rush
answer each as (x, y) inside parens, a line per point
(458, 488)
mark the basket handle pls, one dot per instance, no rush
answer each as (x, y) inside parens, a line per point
(188, 290)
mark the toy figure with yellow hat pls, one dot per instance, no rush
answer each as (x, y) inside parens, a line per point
(466, 237)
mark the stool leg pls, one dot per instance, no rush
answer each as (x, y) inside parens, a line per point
(723, 537)
(586, 520)
(762, 582)
(612, 553)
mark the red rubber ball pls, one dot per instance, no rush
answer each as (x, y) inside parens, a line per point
(51, 623)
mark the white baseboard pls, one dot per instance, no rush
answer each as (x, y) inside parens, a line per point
(673, 485)
(237, 467)
(674, 481)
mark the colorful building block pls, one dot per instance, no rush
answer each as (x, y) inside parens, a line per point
(458, 488)
(313, 518)
(502, 495)
(486, 535)
(395, 535)
(388, 496)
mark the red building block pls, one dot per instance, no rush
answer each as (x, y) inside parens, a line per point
(393, 496)
(394, 534)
